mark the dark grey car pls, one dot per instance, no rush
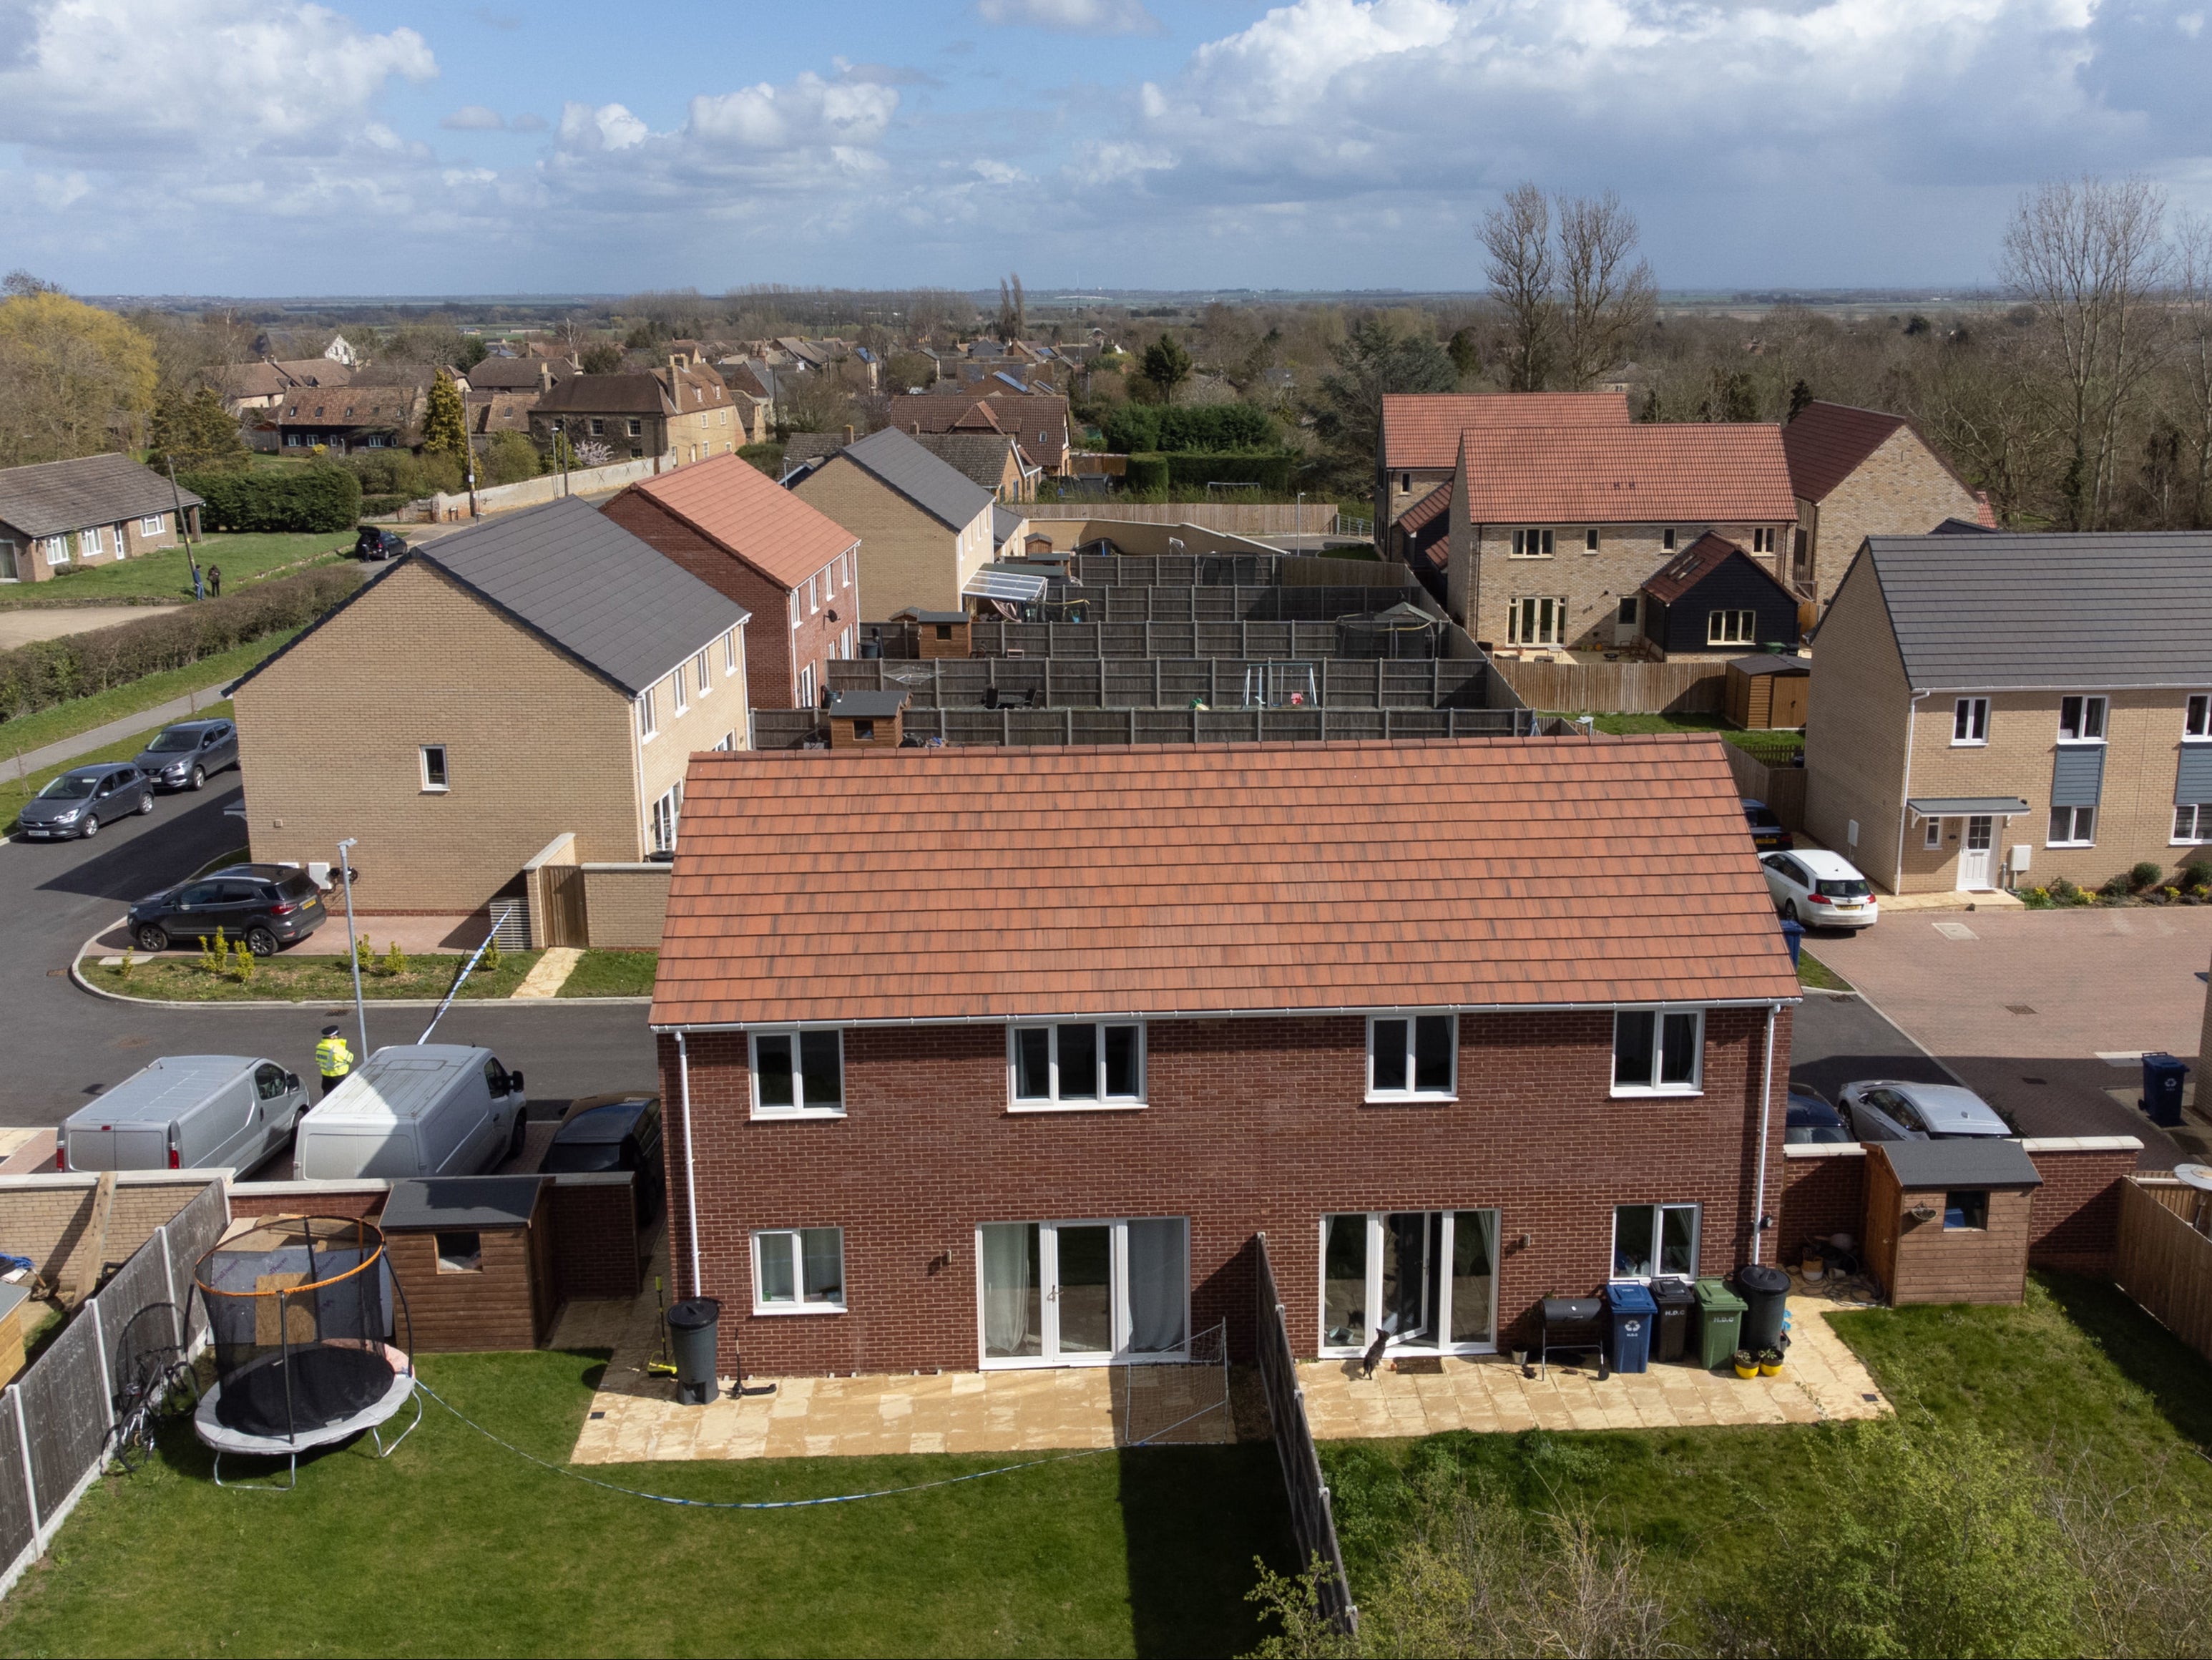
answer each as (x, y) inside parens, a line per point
(185, 755)
(81, 799)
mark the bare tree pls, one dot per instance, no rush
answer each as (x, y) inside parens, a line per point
(1516, 235)
(1608, 296)
(2089, 255)
(2192, 357)
(1014, 310)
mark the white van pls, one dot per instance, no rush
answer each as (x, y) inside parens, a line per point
(187, 1112)
(413, 1110)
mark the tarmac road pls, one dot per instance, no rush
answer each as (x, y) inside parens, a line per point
(60, 1045)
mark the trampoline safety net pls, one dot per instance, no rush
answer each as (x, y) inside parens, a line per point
(299, 1311)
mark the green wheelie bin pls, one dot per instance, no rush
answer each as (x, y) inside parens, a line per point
(1720, 1323)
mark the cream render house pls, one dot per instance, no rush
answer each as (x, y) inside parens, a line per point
(1994, 710)
(544, 674)
(925, 528)
(1857, 474)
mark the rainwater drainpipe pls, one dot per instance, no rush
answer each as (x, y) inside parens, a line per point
(691, 1166)
(1904, 808)
(1765, 1114)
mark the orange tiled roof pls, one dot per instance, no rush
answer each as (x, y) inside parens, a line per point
(733, 502)
(989, 883)
(1641, 474)
(1422, 429)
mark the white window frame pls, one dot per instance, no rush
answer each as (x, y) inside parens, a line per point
(2196, 829)
(730, 652)
(1970, 716)
(728, 741)
(793, 1241)
(1516, 635)
(682, 698)
(1532, 543)
(813, 593)
(1658, 1012)
(2092, 718)
(667, 822)
(1376, 1222)
(1933, 839)
(1732, 627)
(2073, 825)
(1590, 540)
(1762, 539)
(705, 674)
(1658, 1210)
(806, 686)
(439, 783)
(56, 548)
(89, 543)
(1118, 1353)
(648, 718)
(798, 1107)
(794, 607)
(636, 429)
(2197, 718)
(1017, 1102)
(151, 524)
(1408, 1018)
(1667, 539)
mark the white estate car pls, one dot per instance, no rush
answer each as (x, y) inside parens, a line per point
(1820, 890)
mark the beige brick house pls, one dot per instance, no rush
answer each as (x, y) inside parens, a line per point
(1416, 441)
(544, 674)
(1857, 474)
(683, 412)
(1555, 530)
(60, 516)
(1996, 710)
(925, 528)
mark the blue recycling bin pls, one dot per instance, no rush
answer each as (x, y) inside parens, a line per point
(1630, 1314)
(2162, 1080)
(1793, 935)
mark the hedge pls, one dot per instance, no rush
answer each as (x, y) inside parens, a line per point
(1131, 428)
(1146, 472)
(49, 672)
(311, 498)
(1194, 470)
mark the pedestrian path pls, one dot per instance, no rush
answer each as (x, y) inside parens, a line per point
(177, 709)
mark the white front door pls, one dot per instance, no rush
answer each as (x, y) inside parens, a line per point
(1975, 856)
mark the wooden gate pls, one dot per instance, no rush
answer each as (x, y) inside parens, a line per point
(564, 905)
(2166, 1265)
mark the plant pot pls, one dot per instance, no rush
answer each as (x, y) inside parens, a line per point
(1742, 1370)
(1814, 1268)
(1774, 1371)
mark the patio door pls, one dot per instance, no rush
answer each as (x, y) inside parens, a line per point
(1427, 1278)
(1084, 1293)
(1975, 857)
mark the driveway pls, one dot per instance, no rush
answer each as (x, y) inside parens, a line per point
(64, 1045)
(2020, 1004)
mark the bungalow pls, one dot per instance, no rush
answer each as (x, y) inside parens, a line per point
(993, 1059)
(57, 516)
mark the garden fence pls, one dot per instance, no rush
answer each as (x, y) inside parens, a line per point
(2166, 1264)
(55, 1418)
(1313, 1520)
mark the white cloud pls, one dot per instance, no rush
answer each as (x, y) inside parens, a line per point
(474, 118)
(808, 111)
(998, 172)
(608, 127)
(1073, 16)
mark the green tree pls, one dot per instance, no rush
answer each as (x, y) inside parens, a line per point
(602, 359)
(1167, 366)
(508, 459)
(1377, 356)
(74, 380)
(446, 422)
(473, 351)
(1465, 352)
(196, 434)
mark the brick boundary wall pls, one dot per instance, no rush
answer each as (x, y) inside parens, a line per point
(594, 1220)
(1823, 1193)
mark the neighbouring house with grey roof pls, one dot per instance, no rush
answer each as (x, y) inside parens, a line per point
(925, 528)
(531, 686)
(2003, 709)
(60, 516)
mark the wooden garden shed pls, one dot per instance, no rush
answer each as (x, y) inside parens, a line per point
(1948, 1221)
(1768, 690)
(937, 633)
(867, 720)
(474, 1255)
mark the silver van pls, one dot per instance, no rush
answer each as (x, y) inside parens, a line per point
(415, 1110)
(187, 1112)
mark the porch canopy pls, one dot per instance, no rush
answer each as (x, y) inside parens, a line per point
(1965, 806)
(993, 582)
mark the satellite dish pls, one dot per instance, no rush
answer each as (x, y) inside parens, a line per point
(2194, 1176)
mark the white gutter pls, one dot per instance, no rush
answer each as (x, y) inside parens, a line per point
(1765, 1116)
(690, 1168)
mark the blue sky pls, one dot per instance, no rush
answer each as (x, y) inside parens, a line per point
(272, 146)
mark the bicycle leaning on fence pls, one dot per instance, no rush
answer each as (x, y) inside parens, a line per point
(162, 1386)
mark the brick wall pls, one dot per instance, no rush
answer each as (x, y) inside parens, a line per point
(1901, 490)
(592, 1222)
(907, 557)
(1252, 1125)
(1593, 584)
(309, 1198)
(1823, 1193)
(49, 1219)
(1855, 712)
(625, 906)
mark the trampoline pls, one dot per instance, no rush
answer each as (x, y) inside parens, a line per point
(300, 1323)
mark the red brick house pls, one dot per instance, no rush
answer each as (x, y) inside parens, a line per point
(988, 1058)
(795, 568)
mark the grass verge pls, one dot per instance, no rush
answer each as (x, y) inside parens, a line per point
(455, 1545)
(14, 792)
(166, 577)
(80, 715)
(1812, 971)
(612, 973)
(1770, 748)
(311, 979)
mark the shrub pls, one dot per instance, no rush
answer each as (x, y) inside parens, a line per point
(215, 953)
(1131, 428)
(395, 960)
(489, 962)
(404, 473)
(2035, 898)
(2115, 887)
(311, 498)
(2144, 875)
(242, 964)
(509, 459)
(2196, 875)
(376, 507)
(49, 672)
(1146, 472)
(1194, 470)
(362, 954)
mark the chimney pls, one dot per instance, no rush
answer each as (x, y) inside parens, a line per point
(848, 435)
(917, 428)
(545, 376)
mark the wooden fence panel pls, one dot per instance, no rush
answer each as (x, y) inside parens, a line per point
(1618, 688)
(2166, 1265)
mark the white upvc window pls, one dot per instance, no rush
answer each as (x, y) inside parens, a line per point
(436, 779)
(1531, 544)
(1115, 1290)
(1970, 722)
(1412, 1057)
(728, 740)
(1651, 1241)
(1427, 1280)
(730, 652)
(794, 607)
(667, 815)
(806, 687)
(57, 550)
(88, 542)
(799, 1271)
(648, 718)
(151, 524)
(2192, 823)
(798, 1073)
(2081, 720)
(1658, 1051)
(1075, 1064)
(1932, 837)
(2072, 827)
(699, 669)
(1731, 628)
(2196, 717)
(1762, 540)
(813, 594)
(682, 698)
(1536, 620)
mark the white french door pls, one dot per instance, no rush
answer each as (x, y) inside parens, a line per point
(1084, 1293)
(1976, 854)
(1427, 1278)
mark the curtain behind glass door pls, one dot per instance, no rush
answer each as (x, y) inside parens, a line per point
(1159, 1280)
(1474, 1250)
(1013, 1290)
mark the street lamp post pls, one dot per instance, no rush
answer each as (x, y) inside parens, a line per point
(353, 950)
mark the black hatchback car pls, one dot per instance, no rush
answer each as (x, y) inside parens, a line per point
(81, 799)
(1768, 834)
(622, 1134)
(267, 906)
(375, 542)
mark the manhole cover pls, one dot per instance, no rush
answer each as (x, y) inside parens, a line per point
(2020, 1009)
(1956, 931)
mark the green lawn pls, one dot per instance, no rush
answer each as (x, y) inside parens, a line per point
(320, 979)
(14, 792)
(457, 1546)
(1812, 971)
(612, 973)
(1771, 748)
(166, 576)
(50, 726)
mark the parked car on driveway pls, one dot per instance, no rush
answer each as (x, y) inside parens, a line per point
(1822, 890)
(1883, 1109)
(1812, 1122)
(81, 799)
(185, 755)
(267, 906)
(1767, 831)
(375, 542)
(622, 1134)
